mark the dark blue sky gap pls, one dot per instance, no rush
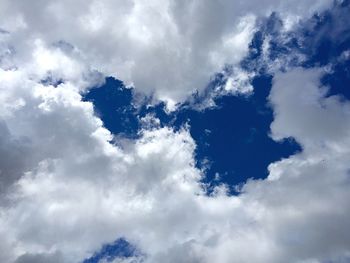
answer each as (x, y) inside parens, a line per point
(118, 249)
(231, 136)
(113, 104)
(235, 135)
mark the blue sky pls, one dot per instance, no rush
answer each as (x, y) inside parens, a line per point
(224, 148)
(174, 131)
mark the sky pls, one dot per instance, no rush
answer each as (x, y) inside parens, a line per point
(174, 131)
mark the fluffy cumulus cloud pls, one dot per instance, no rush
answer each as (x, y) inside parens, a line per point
(78, 191)
(166, 48)
(67, 187)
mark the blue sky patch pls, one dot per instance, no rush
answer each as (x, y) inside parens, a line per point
(118, 249)
(229, 137)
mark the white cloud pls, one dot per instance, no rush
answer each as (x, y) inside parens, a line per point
(169, 48)
(314, 118)
(77, 191)
(70, 190)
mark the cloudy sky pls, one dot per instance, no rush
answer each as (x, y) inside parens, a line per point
(170, 131)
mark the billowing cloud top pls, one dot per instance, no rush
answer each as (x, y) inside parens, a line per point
(170, 48)
(69, 186)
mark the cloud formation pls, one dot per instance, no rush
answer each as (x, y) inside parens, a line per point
(79, 191)
(169, 48)
(66, 189)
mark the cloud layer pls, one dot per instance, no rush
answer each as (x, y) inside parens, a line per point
(169, 48)
(78, 191)
(66, 188)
